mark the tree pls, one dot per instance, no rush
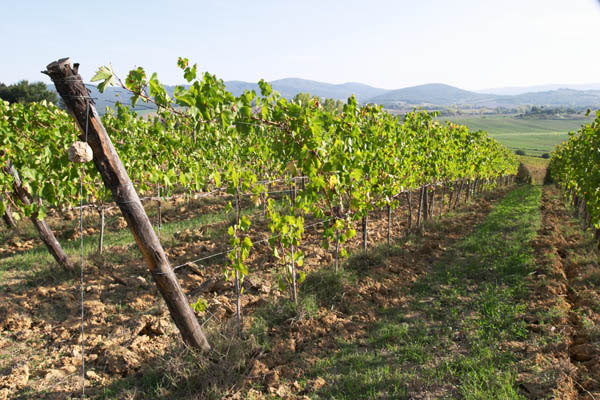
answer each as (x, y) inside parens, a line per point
(329, 105)
(333, 105)
(25, 92)
(302, 99)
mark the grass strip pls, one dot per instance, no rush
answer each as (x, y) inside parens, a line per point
(446, 339)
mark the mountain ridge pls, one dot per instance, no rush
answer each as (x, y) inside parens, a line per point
(431, 94)
(517, 90)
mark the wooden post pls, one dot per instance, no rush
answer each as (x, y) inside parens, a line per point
(409, 217)
(420, 209)
(70, 86)
(364, 229)
(462, 182)
(294, 288)
(238, 287)
(431, 206)
(159, 216)
(101, 240)
(442, 199)
(423, 206)
(451, 195)
(337, 250)
(40, 225)
(8, 218)
(389, 233)
(263, 200)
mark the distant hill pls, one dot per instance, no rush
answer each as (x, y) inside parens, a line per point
(428, 94)
(516, 90)
(432, 93)
(113, 94)
(445, 95)
(560, 97)
(289, 87)
(436, 94)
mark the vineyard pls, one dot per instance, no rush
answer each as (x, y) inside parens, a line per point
(574, 166)
(269, 211)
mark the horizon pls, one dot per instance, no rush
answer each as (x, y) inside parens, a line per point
(559, 85)
(466, 44)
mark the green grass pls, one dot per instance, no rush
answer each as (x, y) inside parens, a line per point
(533, 136)
(445, 342)
(508, 124)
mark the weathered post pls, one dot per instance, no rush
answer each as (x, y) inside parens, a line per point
(40, 225)
(101, 239)
(337, 250)
(159, 216)
(442, 199)
(8, 218)
(431, 206)
(238, 287)
(419, 206)
(294, 288)
(364, 231)
(389, 225)
(409, 216)
(70, 86)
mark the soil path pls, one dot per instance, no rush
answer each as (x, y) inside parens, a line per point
(562, 358)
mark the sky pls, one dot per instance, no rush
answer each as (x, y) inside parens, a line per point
(471, 44)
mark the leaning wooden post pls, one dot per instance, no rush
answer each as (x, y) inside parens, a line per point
(70, 86)
(40, 225)
(8, 218)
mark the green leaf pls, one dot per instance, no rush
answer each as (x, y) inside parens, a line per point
(301, 277)
(41, 213)
(200, 305)
(106, 75)
(244, 223)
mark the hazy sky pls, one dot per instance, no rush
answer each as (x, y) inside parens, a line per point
(472, 44)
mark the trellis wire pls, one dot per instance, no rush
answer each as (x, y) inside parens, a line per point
(276, 236)
(253, 242)
(225, 252)
(195, 196)
(81, 172)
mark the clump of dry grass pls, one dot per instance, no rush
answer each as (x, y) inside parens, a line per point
(187, 373)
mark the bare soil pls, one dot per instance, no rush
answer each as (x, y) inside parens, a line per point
(562, 357)
(129, 334)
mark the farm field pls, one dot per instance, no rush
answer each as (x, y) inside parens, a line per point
(205, 216)
(448, 290)
(476, 307)
(533, 136)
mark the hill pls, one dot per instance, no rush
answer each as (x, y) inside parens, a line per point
(559, 97)
(433, 93)
(436, 94)
(516, 90)
(289, 87)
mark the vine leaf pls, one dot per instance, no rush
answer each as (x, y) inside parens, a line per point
(106, 75)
